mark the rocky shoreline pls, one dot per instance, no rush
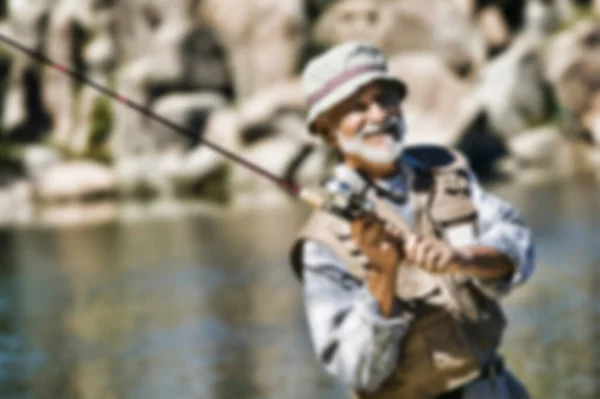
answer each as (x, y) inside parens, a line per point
(515, 86)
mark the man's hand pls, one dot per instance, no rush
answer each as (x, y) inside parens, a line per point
(432, 255)
(383, 245)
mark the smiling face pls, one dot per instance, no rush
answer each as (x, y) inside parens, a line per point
(367, 129)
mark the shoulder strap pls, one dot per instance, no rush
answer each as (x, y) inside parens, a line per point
(333, 232)
(441, 186)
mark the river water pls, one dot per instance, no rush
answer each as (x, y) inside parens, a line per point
(206, 306)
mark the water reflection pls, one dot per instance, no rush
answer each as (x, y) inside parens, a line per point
(207, 307)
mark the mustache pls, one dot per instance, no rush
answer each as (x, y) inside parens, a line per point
(391, 124)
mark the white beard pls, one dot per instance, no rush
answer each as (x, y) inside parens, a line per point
(383, 153)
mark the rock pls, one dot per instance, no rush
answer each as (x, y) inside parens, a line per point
(194, 167)
(350, 20)
(78, 214)
(570, 46)
(263, 39)
(132, 172)
(564, 159)
(439, 106)
(58, 94)
(314, 168)
(537, 147)
(578, 85)
(14, 108)
(25, 15)
(541, 17)
(457, 39)
(573, 64)
(513, 88)
(590, 118)
(185, 57)
(16, 203)
(189, 111)
(24, 119)
(166, 175)
(494, 27)
(75, 180)
(263, 106)
(274, 155)
(38, 159)
(224, 127)
(425, 25)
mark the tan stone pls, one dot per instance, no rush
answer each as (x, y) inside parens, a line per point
(513, 87)
(75, 180)
(439, 106)
(263, 39)
(494, 26)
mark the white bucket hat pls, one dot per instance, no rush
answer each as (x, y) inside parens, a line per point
(340, 72)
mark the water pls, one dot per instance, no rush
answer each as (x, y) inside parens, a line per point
(207, 306)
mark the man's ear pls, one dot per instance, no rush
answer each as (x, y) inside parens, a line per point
(326, 131)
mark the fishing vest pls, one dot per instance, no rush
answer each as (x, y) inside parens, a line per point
(456, 329)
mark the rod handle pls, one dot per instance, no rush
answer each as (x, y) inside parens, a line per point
(312, 198)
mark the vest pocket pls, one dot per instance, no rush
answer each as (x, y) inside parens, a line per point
(435, 355)
(447, 346)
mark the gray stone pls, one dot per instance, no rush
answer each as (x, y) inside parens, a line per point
(263, 106)
(513, 89)
(349, 20)
(189, 111)
(541, 17)
(573, 65)
(537, 147)
(570, 46)
(184, 55)
(38, 159)
(75, 180)
(263, 39)
(439, 106)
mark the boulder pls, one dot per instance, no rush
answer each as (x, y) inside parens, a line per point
(349, 20)
(566, 48)
(176, 170)
(537, 147)
(186, 57)
(77, 214)
(75, 180)
(275, 155)
(579, 84)
(573, 65)
(263, 106)
(541, 17)
(187, 110)
(16, 203)
(513, 90)
(263, 39)
(38, 160)
(439, 106)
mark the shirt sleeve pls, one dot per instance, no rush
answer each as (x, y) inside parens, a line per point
(350, 335)
(501, 227)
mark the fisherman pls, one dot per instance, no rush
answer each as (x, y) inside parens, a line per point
(391, 314)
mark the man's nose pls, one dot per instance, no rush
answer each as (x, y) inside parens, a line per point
(376, 113)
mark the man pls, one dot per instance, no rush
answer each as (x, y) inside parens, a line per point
(392, 314)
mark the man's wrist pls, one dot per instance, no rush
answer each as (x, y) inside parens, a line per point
(382, 284)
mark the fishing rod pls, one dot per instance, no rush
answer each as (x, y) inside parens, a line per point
(287, 185)
(346, 197)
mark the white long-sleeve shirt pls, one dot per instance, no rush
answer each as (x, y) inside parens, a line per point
(352, 338)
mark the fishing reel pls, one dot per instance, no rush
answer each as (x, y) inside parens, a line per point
(346, 194)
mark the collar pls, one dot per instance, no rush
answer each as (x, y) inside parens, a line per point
(394, 188)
